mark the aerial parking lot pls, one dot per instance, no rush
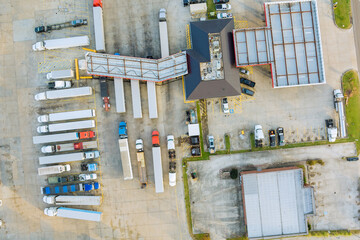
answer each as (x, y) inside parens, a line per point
(128, 191)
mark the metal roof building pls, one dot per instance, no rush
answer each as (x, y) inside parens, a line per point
(211, 61)
(276, 203)
(290, 43)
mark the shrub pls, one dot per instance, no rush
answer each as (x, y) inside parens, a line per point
(233, 173)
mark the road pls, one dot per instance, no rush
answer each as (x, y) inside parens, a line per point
(356, 27)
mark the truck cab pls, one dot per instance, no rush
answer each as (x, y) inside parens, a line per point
(39, 46)
(40, 96)
(92, 154)
(42, 129)
(90, 167)
(87, 134)
(162, 15)
(122, 130)
(139, 145)
(155, 138)
(59, 84)
(48, 149)
(259, 135)
(43, 118)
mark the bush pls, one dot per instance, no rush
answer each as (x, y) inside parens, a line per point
(233, 173)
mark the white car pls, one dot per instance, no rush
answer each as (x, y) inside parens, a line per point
(244, 71)
(225, 105)
(224, 15)
(223, 7)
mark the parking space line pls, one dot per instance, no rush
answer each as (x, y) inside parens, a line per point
(49, 66)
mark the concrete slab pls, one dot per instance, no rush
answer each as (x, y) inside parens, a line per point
(23, 30)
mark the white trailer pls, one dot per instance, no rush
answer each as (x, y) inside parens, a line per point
(158, 174)
(136, 99)
(69, 147)
(63, 116)
(73, 213)
(151, 91)
(70, 157)
(119, 95)
(72, 200)
(61, 43)
(59, 127)
(99, 29)
(64, 93)
(125, 159)
(60, 74)
(62, 137)
(164, 39)
(56, 169)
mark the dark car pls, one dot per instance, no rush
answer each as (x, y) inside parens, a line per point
(194, 140)
(272, 138)
(280, 134)
(195, 151)
(221, 1)
(247, 82)
(352, 159)
(247, 91)
(186, 2)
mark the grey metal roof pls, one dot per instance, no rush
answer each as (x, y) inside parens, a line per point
(195, 88)
(291, 40)
(276, 203)
(156, 70)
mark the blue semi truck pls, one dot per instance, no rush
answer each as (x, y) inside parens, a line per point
(79, 187)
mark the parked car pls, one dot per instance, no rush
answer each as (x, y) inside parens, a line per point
(224, 15)
(194, 140)
(221, 1)
(280, 134)
(211, 144)
(222, 7)
(195, 151)
(247, 82)
(225, 105)
(186, 2)
(247, 91)
(352, 159)
(272, 138)
(244, 71)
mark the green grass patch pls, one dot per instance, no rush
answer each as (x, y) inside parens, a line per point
(211, 11)
(201, 236)
(350, 84)
(252, 140)
(227, 143)
(315, 161)
(187, 197)
(342, 13)
(331, 233)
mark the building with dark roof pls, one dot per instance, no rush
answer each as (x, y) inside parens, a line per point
(211, 61)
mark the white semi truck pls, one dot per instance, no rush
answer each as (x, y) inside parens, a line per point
(259, 136)
(339, 106)
(63, 137)
(69, 147)
(73, 213)
(99, 29)
(60, 74)
(70, 157)
(60, 43)
(64, 93)
(59, 127)
(56, 169)
(124, 151)
(63, 116)
(72, 200)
